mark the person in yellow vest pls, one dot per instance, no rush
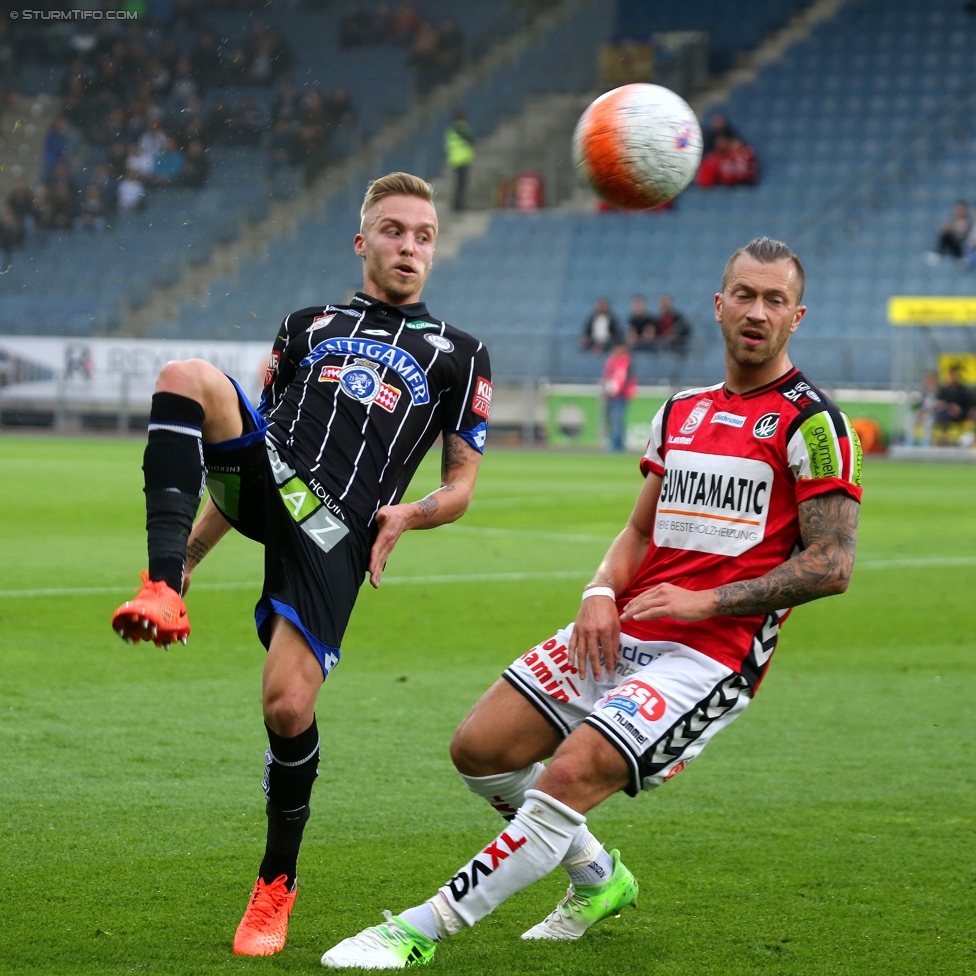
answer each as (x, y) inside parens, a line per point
(460, 154)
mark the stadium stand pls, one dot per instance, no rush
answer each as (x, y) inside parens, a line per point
(865, 134)
(61, 282)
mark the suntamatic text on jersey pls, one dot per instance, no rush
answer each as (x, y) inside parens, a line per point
(399, 360)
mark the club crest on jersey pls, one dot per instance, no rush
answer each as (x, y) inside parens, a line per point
(766, 425)
(382, 353)
(439, 342)
(696, 416)
(362, 382)
(321, 321)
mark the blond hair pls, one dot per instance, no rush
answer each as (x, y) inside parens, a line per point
(399, 184)
(765, 250)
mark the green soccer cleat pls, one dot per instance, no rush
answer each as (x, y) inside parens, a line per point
(392, 945)
(588, 904)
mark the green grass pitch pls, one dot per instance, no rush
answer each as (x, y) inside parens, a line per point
(829, 830)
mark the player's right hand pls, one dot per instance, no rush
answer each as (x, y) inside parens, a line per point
(597, 629)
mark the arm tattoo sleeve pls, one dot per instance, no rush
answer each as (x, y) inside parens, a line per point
(828, 528)
(196, 550)
(427, 505)
(451, 456)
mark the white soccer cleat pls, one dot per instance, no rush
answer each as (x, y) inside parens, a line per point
(392, 945)
(584, 906)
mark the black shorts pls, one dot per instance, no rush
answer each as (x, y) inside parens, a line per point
(315, 552)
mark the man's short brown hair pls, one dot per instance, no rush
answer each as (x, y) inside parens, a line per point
(395, 184)
(767, 251)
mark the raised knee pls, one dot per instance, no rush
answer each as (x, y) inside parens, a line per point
(469, 759)
(287, 714)
(186, 377)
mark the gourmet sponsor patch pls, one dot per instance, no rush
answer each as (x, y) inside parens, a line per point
(712, 503)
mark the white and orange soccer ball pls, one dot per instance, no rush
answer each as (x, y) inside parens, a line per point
(638, 146)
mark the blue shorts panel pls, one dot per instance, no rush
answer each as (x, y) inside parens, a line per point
(249, 437)
(328, 657)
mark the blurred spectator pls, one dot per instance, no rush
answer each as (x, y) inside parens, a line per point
(731, 163)
(287, 103)
(93, 210)
(460, 155)
(619, 388)
(152, 141)
(356, 27)
(954, 403)
(55, 144)
(641, 327)
(719, 126)
(404, 23)
(11, 233)
(107, 186)
(64, 206)
(184, 84)
(338, 108)
(117, 156)
(205, 60)
(168, 166)
(282, 147)
(248, 123)
(926, 407)
(196, 167)
(450, 48)
(424, 57)
(954, 233)
(602, 329)
(21, 200)
(673, 329)
(132, 192)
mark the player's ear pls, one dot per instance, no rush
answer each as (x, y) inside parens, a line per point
(718, 307)
(797, 316)
(359, 245)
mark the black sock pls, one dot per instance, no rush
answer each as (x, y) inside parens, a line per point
(173, 467)
(292, 765)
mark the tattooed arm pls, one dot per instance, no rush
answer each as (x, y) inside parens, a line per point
(208, 530)
(828, 528)
(459, 471)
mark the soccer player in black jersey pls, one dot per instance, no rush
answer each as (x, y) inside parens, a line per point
(354, 396)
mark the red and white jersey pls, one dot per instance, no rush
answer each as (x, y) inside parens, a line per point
(734, 469)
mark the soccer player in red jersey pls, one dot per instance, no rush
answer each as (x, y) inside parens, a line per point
(749, 507)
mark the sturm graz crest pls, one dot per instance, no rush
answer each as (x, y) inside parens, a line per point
(766, 425)
(360, 382)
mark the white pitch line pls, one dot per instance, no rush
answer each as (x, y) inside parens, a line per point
(906, 563)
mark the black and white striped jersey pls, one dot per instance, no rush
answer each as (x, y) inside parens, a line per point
(358, 393)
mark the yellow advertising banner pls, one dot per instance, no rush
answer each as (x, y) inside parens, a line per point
(931, 310)
(965, 362)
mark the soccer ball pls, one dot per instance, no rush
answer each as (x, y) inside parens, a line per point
(638, 146)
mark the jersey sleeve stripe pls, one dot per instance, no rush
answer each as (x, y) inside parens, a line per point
(464, 402)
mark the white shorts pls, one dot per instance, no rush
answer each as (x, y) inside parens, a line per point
(659, 708)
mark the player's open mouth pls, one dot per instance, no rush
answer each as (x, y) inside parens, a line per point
(752, 337)
(405, 269)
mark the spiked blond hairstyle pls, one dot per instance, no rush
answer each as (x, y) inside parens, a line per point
(767, 251)
(400, 184)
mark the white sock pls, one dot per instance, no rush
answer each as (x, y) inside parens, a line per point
(506, 793)
(527, 850)
(590, 865)
(422, 919)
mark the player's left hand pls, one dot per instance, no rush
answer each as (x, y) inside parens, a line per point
(667, 600)
(393, 521)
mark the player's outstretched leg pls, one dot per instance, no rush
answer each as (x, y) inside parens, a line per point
(505, 731)
(292, 678)
(193, 400)
(585, 771)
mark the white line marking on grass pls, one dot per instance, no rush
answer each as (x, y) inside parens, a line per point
(906, 563)
(256, 584)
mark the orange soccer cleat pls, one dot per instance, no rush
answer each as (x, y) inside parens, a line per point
(264, 927)
(157, 614)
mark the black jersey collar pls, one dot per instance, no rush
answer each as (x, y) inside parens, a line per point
(416, 310)
(760, 390)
